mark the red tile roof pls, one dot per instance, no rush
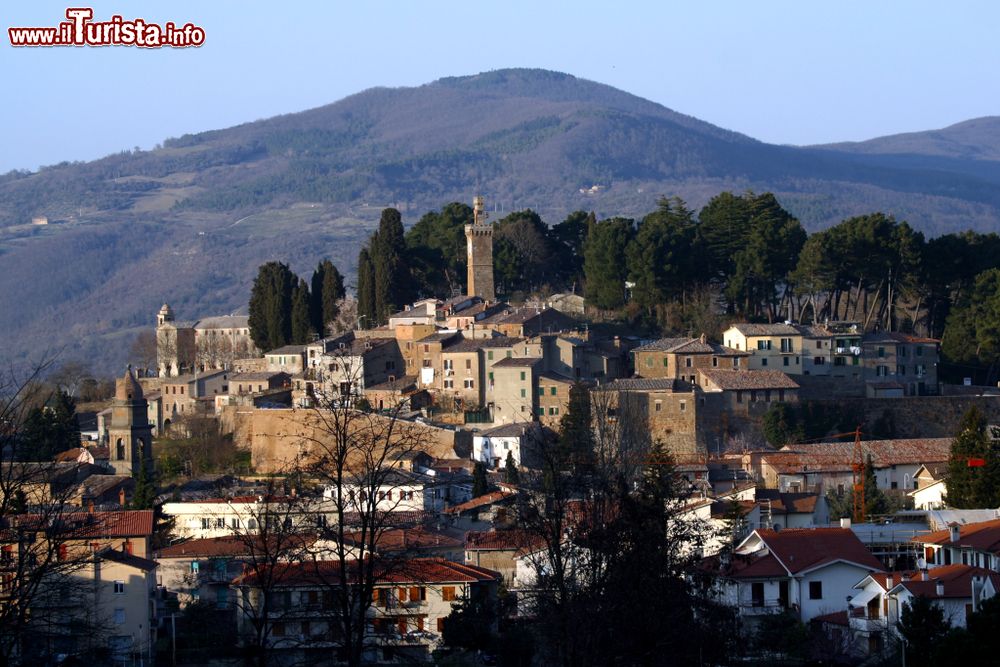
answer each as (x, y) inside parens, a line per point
(415, 571)
(807, 548)
(502, 540)
(982, 536)
(835, 618)
(119, 523)
(957, 580)
(402, 539)
(741, 566)
(832, 456)
(729, 380)
(481, 501)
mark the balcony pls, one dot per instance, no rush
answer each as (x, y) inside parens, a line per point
(860, 622)
(762, 607)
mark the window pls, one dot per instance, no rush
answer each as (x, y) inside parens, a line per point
(524, 393)
(440, 624)
(901, 350)
(489, 355)
(234, 523)
(194, 567)
(819, 361)
(541, 391)
(881, 352)
(882, 371)
(119, 617)
(683, 406)
(449, 384)
(785, 359)
(739, 396)
(119, 587)
(448, 593)
(469, 384)
(541, 411)
(763, 361)
(552, 391)
(491, 376)
(763, 345)
(786, 345)
(688, 361)
(658, 406)
(757, 594)
(715, 362)
(900, 369)
(736, 362)
(919, 351)
(468, 364)
(418, 593)
(206, 523)
(819, 345)
(553, 411)
(522, 376)
(449, 364)
(220, 522)
(815, 590)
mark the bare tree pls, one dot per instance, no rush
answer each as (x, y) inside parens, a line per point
(42, 596)
(143, 352)
(355, 456)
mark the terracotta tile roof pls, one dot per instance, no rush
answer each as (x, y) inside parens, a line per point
(833, 456)
(745, 566)
(982, 536)
(834, 618)
(663, 344)
(481, 501)
(416, 571)
(778, 329)
(510, 430)
(732, 379)
(807, 548)
(128, 559)
(403, 539)
(957, 580)
(892, 337)
(503, 540)
(209, 547)
(789, 502)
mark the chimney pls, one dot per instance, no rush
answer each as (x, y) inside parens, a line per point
(121, 497)
(904, 577)
(845, 522)
(954, 532)
(923, 574)
(889, 582)
(939, 588)
(702, 339)
(90, 506)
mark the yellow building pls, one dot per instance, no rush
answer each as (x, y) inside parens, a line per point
(771, 346)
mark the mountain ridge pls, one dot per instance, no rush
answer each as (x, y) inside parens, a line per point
(189, 222)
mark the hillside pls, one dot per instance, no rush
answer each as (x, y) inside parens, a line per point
(189, 222)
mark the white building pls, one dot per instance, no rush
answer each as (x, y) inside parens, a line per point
(809, 572)
(492, 446)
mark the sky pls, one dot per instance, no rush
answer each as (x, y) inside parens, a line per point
(784, 72)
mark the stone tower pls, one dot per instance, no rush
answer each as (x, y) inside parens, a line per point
(165, 315)
(130, 439)
(479, 237)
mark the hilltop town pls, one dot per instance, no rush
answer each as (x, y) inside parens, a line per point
(472, 478)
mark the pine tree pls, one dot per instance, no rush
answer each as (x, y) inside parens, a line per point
(366, 289)
(964, 485)
(480, 483)
(271, 306)
(510, 473)
(327, 292)
(604, 262)
(302, 328)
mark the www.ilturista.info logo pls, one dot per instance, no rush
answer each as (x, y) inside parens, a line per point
(80, 30)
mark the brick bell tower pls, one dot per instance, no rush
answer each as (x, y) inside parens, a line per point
(479, 237)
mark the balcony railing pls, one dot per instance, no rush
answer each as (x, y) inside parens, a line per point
(762, 607)
(863, 623)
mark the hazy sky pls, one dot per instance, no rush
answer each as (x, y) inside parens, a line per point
(788, 72)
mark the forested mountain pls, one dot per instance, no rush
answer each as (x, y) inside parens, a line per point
(189, 222)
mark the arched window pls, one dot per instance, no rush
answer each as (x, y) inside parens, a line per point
(119, 449)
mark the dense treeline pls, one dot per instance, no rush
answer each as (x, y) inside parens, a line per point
(283, 308)
(743, 255)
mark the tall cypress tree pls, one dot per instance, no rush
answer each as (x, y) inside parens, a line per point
(271, 306)
(604, 263)
(576, 435)
(327, 291)
(366, 289)
(388, 248)
(301, 322)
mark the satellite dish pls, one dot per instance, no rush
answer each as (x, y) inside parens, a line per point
(921, 564)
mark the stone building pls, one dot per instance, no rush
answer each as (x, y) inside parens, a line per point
(479, 239)
(130, 438)
(212, 343)
(682, 358)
